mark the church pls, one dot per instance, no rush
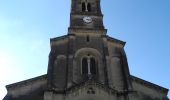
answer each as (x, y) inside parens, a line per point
(86, 64)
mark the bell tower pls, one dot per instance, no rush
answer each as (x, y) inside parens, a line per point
(86, 14)
(86, 53)
(86, 64)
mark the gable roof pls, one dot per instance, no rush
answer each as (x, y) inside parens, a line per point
(91, 82)
(115, 40)
(43, 77)
(58, 38)
(149, 84)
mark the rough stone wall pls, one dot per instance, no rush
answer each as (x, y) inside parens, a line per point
(59, 49)
(91, 93)
(32, 89)
(83, 47)
(147, 92)
(116, 79)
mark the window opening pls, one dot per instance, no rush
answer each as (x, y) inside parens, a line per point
(89, 7)
(92, 66)
(87, 38)
(86, 7)
(83, 7)
(88, 65)
(84, 66)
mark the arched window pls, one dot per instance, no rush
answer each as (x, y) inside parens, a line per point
(89, 7)
(84, 66)
(92, 66)
(87, 38)
(86, 7)
(88, 66)
(83, 6)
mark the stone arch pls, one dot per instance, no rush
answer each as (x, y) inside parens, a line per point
(77, 76)
(83, 7)
(88, 65)
(89, 7)
(88, 50)
(59, 71)
(116, 71)
(86, 6)
(59, 57)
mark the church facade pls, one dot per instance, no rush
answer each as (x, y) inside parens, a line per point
(86, 64)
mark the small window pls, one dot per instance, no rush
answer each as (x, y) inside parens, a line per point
(92, 66)
(86, 7)
(88, 66)
(89, 7)
(84, 66)
(83, 7)
(87, 38)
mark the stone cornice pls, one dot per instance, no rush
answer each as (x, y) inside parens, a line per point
(92, 83)
(18, 84)
(149, 84)
(86, 30)
(115, 40)
(86, 13)
(58, 38)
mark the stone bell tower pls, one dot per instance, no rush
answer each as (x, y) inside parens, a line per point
(87, 57)
(86, 14)
(86, 64)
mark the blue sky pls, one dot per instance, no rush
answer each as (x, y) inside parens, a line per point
(27, 25)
